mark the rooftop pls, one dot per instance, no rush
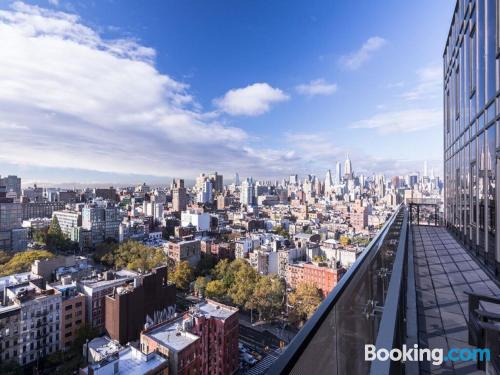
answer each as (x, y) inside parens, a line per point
(172, 336)
(215, 310)
(133, 362)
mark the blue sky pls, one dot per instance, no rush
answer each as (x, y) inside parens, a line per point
(126, 90)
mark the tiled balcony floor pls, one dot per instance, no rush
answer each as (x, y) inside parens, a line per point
(443, 271)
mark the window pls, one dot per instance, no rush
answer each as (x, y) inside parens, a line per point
(472, 61)
(457, 92)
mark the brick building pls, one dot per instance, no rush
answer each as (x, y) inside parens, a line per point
(203, 341)
(96, 289)
(188, 250)
(324, 278)
(72, 311)
(128, 305)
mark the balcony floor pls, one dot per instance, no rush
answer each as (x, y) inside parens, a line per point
(443, 271)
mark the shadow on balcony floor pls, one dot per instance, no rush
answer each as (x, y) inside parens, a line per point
(443, 271)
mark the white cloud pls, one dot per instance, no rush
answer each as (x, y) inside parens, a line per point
(357, 58)
(71, 99)
(252, 100)
(429, 84)
(54, 2)
(403, 121)
(316, 87)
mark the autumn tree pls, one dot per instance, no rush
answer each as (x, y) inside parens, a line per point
(215, 289)
(21, 262)
(344, 240)
(183, 275)
(200, 285)
(135, 256)
(303, 301)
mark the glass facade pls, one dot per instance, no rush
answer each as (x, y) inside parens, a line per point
(471, 136)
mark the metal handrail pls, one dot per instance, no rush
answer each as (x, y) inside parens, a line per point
(287, 360)
(388, 325)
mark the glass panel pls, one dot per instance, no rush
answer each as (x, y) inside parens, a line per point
(481, 191)
(491, 188)
(490, 49)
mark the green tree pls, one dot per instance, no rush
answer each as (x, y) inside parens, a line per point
(200, 285)
(245, 278)
(21, 262)
(304, 301)
(206, 264)
(10, 368)
(319, 258)
(268, 296)
(281, 231)
(55, 239)
(40, 236)
(215, 289)
(183, 275)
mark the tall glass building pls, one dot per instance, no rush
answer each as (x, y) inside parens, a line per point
(471, 120)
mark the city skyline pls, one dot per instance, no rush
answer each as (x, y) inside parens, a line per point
(95, 95)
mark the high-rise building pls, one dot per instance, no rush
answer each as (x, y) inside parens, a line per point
(247, 193)
(103, 222)
(348, 167)
(328, 181)
(205, 194)
(236, 179)
(470, 128)
(12, 184)
(217, 182)
(338, 172)
(12, 235)
(179, 199)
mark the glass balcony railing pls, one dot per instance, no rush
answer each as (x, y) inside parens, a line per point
(366, 307)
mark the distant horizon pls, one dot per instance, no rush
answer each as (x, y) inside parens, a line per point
(172, 88)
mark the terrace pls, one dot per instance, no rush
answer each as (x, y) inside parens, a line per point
(413, 285)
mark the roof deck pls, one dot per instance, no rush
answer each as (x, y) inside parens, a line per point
(408, 287)
(444, 271)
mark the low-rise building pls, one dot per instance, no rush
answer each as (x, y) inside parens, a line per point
(203, 341)
(323, 277)
(96, 289)
(129, 306)
(72, 311)
(184, 250)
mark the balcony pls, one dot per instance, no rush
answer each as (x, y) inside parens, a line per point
(412, 285)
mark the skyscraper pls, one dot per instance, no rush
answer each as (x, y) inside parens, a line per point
(217, 182)
(236, 179)
(348, 167)
(470, 134)
(205, 194)
(179, 200)
(338, 172)
(12, 184)
(247, 193)
(328, 181)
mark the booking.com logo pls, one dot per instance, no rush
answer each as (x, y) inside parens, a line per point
(436, 356)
